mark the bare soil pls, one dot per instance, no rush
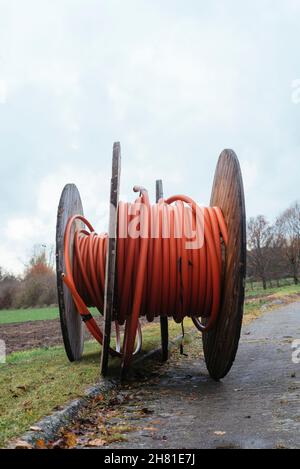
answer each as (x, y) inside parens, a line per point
(31, 334)
(34, 334)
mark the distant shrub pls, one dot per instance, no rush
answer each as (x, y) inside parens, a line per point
(9, 285)
(37, 287)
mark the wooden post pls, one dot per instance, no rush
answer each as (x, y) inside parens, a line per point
(164, 329)
(110, 273)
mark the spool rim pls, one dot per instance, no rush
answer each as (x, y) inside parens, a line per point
(71, 324)
(221, 343)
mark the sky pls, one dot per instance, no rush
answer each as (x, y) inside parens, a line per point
(174, 81)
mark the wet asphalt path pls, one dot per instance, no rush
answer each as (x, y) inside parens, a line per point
(256, 406)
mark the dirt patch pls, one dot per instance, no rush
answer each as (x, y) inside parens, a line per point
(35, 334)
(31, 334)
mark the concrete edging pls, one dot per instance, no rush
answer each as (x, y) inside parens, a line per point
(48, 428)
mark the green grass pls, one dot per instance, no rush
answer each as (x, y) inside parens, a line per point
(34, 382)
(257, 288)
(31, 314)
(9, 316)
(272, 297)
(38, 314)
(277, 291)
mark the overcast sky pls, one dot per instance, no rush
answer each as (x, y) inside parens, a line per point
(174, 81)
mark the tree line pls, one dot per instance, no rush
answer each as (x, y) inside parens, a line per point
(273, 253)
(274, 249)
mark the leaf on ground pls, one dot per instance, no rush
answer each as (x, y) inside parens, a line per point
(121, 429)
(100, 420)
(70, 440)
(219, 433)
(145, 410)
(20, 444)
(151, 429)
(115, 437)
(58, 444)
(22, 387)
(40, 444)
(27, 405)
(35, 429)
(96, 442)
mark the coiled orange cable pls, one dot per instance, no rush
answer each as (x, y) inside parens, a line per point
(157, 272)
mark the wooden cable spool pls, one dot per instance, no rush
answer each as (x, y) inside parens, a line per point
(221, 342)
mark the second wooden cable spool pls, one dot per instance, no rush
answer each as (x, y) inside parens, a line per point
(220, 344)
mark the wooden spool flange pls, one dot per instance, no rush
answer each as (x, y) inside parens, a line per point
(110, 273)
(221, 343)
(71, 323)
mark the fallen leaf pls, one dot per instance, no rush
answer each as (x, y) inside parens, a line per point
(70, 440)
(151, 429)
(219, 433)
(36, 429)
(27, 405)
(96, 442)
(116, 437)
(144, 410)
(40, 444)
(101, 419)
(22, 387)
(100, 397)
(120, 429)
(58, 444)
(20, 444)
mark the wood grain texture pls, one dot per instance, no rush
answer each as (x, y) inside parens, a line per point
(70, 320)
(164, 327)
(110, 273)
(221, 343)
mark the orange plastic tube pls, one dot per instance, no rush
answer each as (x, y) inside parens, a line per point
(159, 270)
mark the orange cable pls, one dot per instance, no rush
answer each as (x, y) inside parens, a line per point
(157, 272)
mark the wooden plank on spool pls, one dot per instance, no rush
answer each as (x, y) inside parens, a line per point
(110, 272)
(70, 320)
(221, 343)
(164, 329)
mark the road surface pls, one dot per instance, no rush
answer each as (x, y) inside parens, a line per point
(256, 406)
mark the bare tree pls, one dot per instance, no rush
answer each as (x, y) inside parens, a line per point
(288, 226)
(260, 236)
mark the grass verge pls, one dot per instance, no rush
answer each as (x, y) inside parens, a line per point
(8, 316)
(36, 382)
(258, 300)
